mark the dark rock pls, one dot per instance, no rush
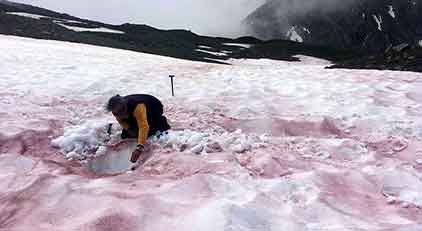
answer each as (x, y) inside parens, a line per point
(213, 147)
(401, 47)
(183, 147)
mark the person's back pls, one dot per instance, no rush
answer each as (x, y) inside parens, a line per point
(140, 116)
(154, 110)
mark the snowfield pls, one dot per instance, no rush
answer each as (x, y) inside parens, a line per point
(256, 145)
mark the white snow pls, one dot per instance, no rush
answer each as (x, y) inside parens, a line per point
(90, 140)
(79, 139)
(378, 20)
(37, 16)
(391, 11)
(293, 35)
(83, 29)
(27, 15)
(255, 145)
(212, 52)
(68, 21)
(73, 21)
(307, 30)
(244, 45)
(420, 43)
(204, 47)
(403, 184)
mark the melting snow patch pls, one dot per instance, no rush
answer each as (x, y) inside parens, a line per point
(308, 60)
(293, 35)
(83, 29)
(244, 45)
(378, 21)
(391, 11)
(27, 15)
(204, 47)
(67, 21)
(211, 52)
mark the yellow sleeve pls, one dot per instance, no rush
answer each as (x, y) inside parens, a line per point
(140, 114)
(122, 123)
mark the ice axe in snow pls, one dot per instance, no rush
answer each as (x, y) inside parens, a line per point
(172, 87)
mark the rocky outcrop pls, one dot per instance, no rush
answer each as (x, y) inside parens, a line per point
(402, 57)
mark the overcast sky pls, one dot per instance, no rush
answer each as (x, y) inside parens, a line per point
(208, 17)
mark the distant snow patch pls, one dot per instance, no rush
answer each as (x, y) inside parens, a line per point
(420, 43)
(293, 35)
(37, 16)
(204, 47)
(244, 45)
(73, 21)
(363, 15)
(67, 21)
(34, 16)
(306, 30)
(391, 11)
(215, 60)
(308, 60)
(378, 21)
(211, 52)
(83, 29)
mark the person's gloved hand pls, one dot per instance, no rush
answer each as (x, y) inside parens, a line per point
(137, 153)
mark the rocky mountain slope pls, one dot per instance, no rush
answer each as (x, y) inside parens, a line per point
(370, 26)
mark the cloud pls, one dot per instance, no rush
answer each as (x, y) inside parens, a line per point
(209, 17)
(300, 7)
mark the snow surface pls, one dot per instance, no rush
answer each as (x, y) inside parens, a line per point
(244, 45)
(293, 35)
(391, 11)
(84, 29)
(37, 16)
(204, 47)
(27, 15)
(58, 21)
(256, 145)
(420, 43)
(378, 20)
(212, 52)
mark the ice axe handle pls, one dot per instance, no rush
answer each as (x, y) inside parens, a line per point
(172, 86)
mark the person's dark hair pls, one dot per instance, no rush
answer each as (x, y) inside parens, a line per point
(112, 102)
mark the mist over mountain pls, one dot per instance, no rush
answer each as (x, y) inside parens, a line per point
(368, 25)
(206, 17)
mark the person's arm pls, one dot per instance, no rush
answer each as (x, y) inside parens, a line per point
(122, 123)
(140, 114)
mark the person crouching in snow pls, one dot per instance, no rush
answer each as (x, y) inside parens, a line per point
(140, 116)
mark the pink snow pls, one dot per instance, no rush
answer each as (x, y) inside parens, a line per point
(320, 149)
